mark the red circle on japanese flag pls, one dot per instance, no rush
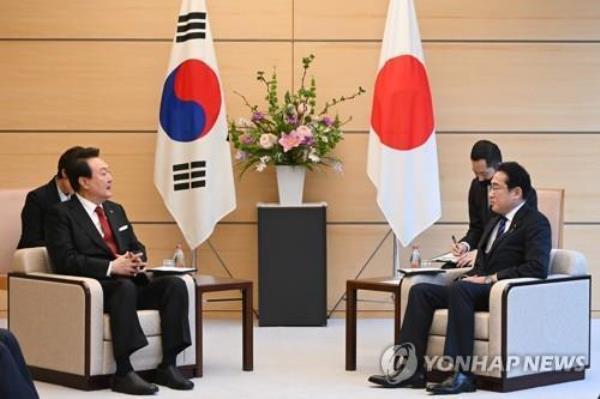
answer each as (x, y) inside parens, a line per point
(402, 111)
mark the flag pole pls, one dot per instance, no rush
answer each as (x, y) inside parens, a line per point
(194, 258)
(395, 261)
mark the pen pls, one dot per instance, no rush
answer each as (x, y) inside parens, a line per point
(454, 240)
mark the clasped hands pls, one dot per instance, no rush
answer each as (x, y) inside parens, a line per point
(128, 264)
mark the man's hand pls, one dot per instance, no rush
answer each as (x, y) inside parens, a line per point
(138, 261)
(127, 265)
(458, 249)
(467, 259)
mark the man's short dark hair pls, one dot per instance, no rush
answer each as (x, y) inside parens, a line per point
(516, 176)
(65, 158)
(79, 166)
(490, 152)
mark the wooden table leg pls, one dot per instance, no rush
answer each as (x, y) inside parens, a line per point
(397, 323)
(199, 370)
(247, 328)
(350, 327)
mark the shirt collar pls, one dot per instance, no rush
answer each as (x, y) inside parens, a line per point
(89, 206)
(63, 197)
(510, 215)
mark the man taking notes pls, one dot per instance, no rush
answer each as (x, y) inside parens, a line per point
(485, 158)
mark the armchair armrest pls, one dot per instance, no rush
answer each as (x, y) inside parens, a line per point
(58, 320)
(408, 281)
(533, 317)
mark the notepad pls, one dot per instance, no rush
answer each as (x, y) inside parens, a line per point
(172, 270)
(421, 270)
(448, 257)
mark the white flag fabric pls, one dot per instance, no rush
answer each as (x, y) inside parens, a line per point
(193, 171)
(402, 156)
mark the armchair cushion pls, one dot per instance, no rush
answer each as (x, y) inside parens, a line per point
(440, 321)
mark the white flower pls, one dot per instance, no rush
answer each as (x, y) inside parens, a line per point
(267, 140)
(324, 139)
(337, 166)
(313, 156)
(260, 167)
(265, 158)
(244, 123)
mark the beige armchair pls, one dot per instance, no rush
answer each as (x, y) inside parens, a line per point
(64, 333)
(526, 317)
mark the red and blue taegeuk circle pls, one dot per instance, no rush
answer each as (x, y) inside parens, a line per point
(191, 101)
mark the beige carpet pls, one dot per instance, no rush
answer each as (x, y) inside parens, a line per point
(309, 363)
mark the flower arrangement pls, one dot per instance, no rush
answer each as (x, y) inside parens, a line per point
(292, 132)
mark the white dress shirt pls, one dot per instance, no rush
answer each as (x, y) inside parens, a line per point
(63, 197)
(90, 209)
(509, 218)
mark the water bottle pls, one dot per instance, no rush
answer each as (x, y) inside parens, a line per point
(179, 256)
(415, 257)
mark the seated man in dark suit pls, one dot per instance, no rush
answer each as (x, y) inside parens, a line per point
(515, 243)
(91, 236)
(485, 158)
(41, 199)
(15, 380)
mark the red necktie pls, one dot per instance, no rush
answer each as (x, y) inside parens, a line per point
(106, 231)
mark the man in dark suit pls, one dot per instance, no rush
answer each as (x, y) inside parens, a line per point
(515, 243)
(15, 380)
(91, 236)
(485, 158)
(41, 199)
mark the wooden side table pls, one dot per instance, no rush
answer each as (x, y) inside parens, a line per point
(205, 283)
(383, 284)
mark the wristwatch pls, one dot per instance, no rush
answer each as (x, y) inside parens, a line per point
(489, 279)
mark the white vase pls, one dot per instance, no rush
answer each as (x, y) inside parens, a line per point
(290, 184)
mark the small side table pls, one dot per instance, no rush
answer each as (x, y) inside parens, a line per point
(383, 284)
(205, 283)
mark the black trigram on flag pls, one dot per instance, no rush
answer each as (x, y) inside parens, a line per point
(191, 26)
(189, 175)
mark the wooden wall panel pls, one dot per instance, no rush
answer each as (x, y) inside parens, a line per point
(452, 19)
(477, 86)
(114, 85)
(29, 159)
(141, 19)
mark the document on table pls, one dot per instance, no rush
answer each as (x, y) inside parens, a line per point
(172, 269)
(448, 257)
(421, 270)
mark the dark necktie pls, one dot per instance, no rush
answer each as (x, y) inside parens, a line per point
(501, 228)
(106, 231)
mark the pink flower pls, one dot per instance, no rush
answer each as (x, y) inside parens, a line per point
(306, 134)
(327, 121)
(240, 155)
(246, 139)
(303, 108)
(290, 140)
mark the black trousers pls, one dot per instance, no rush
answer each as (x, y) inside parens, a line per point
(15, 380)
(461, 298)
(124, 296)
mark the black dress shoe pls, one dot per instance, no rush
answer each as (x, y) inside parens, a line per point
(416, 381)
(457, 383)
(132, 384)
(171, 377)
